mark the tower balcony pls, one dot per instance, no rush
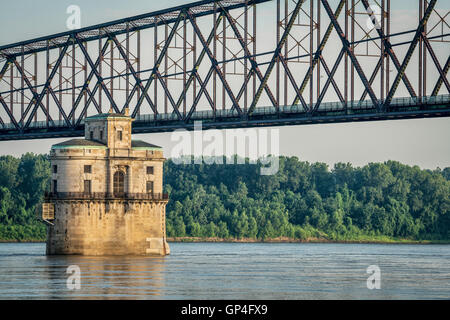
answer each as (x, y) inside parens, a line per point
(48, 196)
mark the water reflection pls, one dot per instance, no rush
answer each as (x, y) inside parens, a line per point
(106, 277)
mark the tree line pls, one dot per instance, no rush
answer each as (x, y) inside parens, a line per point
(301, 201)
(22, 185)
(308, 200)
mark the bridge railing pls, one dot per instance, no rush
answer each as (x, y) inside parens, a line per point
(261, 111)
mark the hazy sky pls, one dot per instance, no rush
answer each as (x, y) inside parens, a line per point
(423, 142)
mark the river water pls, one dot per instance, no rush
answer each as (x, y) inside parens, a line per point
(232, 271)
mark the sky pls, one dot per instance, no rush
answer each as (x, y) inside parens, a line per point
(423, 142)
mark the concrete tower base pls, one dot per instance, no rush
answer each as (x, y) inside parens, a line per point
(108, 227)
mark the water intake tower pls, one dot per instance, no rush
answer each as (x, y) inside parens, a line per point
(106, 194)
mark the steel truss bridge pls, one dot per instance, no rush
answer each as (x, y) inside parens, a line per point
(304, 61)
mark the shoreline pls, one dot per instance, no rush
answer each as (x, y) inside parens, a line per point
(21, 241)
(276, 240)
(310, 240)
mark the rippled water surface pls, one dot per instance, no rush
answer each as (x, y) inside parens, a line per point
(232, 271)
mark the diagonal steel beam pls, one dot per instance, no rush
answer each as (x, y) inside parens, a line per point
(436, 62)
(388, 49)
(10, 115)
(130, 96)
(438, 85)
(169, 96)
(197, 98)
(96, 105)
(207, 95)
(59, 106)
(351, 54)
(157, 64)
(244, 85)
(136, 77)
(276, 55)
(409, 54)
(372, 77)
(327, 84)
(91, 95)
(97, 74)
(199, 60)
(88, 102)
(292, 80)
(46, 86)
(4, 68)
(318, 53)
(2, 102)
(36, 96)
(86, 83)
(249, 57)
(214, 63)
(333, 83)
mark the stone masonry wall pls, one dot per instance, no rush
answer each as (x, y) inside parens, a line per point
(70, 174)
(114, 227)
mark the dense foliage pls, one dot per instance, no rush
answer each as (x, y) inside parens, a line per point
(303, 200)
(22, 185)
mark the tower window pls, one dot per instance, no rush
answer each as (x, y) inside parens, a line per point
(91, 135)
(149, 170)
(55, 169)
(149, 186)
(119, 182)
(119, 135)
(87, 169)
(101, 135)
(87, 186)
(55, 186)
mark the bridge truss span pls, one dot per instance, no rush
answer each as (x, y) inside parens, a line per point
(233, 63)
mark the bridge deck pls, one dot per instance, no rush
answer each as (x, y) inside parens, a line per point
(328, 112)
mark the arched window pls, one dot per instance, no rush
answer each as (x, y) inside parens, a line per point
(119, 182)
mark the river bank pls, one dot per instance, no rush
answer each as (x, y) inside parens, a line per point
(380, 240)
(309, 240)
(21, 241)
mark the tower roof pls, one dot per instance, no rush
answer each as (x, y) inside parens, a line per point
(107, 116)
(91, 144)
(111, 115)
(79, 143)
(139, 144)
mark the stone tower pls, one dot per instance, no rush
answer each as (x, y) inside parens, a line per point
(106, 193)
